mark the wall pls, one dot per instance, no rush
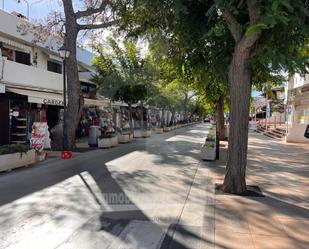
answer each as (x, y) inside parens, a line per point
(296, 134)
(22, 75)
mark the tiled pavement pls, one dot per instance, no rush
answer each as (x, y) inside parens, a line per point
(280, 220)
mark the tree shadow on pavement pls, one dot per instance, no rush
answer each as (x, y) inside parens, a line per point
(283, 211)
(111, 217)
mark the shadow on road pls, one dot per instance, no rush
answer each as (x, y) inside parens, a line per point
(114, 218)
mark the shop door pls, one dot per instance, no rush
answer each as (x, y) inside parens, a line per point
(4, 120)
(52, 114)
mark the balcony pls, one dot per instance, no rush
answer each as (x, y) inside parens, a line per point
(16, 74)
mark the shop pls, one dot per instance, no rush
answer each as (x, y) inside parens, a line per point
(141, 117)
(125, 119)
(20, 108)
(155, 115)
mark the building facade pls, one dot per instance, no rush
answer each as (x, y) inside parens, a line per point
(31, 81)
(297, 108)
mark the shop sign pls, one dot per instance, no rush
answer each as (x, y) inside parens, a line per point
(40, 136)
(2, 88)
(53, 102)
(306, 135)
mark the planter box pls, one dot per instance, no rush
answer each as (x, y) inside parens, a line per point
(166, 129)
(137, 133)
(114, 141)
(124, 138)
(16, 160)
(142, 133)
(159, 130)
(107, 142)
(146, 133)
(131, 137)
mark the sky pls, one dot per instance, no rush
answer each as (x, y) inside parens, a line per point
(38, 8)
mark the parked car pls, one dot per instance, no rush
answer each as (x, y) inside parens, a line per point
(206, 120)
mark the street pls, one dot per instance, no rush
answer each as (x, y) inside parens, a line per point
(157, 193)
(147, 194)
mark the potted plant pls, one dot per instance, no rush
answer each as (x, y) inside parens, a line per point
(125, 136)
(16, 155)
(166, 129)
(146, 132)
(138, 133)
(107, 140)
(159, 130)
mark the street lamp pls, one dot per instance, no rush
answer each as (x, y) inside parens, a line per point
(29, 5)
(64, 54)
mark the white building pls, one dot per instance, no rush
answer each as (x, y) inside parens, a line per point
(31, 81)
(297, 108)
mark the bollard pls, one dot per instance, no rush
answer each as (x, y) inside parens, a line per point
(217, 145)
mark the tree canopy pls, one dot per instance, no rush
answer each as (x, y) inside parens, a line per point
(234, 44)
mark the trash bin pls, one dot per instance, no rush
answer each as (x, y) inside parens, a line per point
(94, 133)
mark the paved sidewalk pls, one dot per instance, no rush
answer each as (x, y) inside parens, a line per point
(281, 219)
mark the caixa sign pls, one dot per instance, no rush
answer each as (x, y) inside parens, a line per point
(53, 102)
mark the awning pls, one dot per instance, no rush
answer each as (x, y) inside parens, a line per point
(95, 102)
(55, 58)
(39, 97)
(15, 45)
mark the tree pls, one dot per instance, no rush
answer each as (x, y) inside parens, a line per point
(77, 19)
(253, 31)
(122, 74)
(96, 15)
(256, 28)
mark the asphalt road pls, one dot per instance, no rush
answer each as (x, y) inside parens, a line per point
(148, 194)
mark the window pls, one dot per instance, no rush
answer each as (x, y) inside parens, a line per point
(88, 89)
(54, 67)
(23, 58)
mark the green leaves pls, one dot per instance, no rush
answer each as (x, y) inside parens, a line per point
(255, 28)
(121, 72)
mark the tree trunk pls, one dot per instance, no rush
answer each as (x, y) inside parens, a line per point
(73, 84)
(186, 108)
(130, 117)
(220, 118)
(163, 118)
(172, 118)
(142, 116)
(240, 92)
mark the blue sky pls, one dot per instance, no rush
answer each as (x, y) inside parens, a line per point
(255, 93)
(38, 9)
